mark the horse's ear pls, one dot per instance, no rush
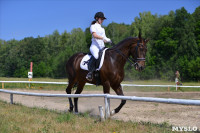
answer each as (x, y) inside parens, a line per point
(139, 36)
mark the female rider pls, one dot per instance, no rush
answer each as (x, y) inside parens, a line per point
(98, 39)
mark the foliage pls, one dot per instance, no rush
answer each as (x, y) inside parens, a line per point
(174, 45)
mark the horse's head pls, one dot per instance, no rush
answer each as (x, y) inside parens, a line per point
(138, 52)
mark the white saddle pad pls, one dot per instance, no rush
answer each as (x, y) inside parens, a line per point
(84, 61)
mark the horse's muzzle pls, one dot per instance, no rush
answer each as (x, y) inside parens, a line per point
(139, 67)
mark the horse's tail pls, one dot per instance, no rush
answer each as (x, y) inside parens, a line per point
(72, 66)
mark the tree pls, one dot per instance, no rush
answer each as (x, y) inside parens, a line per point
(117, 32)
(88, 37)
(196, 16)
(145, 23)
(187, 46)
(184, 32)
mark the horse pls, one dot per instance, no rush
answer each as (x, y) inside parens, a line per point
(132, 49)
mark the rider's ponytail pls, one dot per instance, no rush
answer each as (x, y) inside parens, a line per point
(93, 22)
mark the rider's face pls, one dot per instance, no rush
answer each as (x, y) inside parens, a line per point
(100, 20)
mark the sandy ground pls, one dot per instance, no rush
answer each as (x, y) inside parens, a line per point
(176, 115)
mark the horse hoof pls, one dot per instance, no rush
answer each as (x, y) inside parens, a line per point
(76, 113)
(69, 110)
(112, 113)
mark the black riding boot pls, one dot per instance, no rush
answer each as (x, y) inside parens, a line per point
(92, 68)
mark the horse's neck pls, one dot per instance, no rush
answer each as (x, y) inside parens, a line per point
(124, 50)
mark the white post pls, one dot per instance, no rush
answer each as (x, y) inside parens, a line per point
(101, 113)
(122, 87)
(176, 86)
(107, 108)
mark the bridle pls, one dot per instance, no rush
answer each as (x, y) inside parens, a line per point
(136, 48)
(132, 61)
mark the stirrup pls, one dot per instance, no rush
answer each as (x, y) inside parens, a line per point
(89, 76)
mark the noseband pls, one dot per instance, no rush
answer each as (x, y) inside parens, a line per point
(132, 61)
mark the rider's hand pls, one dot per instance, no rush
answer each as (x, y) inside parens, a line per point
(107, 40)
(110, 42)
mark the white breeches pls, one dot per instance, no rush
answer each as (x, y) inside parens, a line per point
(94, 51)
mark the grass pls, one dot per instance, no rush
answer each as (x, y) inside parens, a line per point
(99, 88)
(17, 119)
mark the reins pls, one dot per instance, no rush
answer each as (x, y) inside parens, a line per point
(131, 60)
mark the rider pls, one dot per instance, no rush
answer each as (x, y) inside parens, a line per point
(98, 39)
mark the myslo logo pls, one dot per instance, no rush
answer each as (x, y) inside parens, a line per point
(186, 129)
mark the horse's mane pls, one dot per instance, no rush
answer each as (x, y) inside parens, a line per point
(123, 42)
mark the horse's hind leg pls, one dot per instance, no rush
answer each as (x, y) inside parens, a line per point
(118, 91)
(78, 91)
(69, 90)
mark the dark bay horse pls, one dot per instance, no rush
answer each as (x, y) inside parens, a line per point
(112, 71)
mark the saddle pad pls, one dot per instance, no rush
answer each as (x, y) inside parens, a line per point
(85, 60)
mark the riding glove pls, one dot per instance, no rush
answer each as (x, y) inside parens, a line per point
(107, 40)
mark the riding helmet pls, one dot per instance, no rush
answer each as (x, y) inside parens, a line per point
(99, 15)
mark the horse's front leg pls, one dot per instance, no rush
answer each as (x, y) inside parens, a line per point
(106, 87)
(118, 91)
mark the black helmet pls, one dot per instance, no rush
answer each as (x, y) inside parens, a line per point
(99, 15)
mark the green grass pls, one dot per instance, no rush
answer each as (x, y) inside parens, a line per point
(17, 119)
(99, 88)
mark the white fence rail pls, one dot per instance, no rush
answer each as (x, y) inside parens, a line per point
(107, 98)
(65, 83)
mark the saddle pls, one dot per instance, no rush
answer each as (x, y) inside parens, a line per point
(90, 63)
(86, 59)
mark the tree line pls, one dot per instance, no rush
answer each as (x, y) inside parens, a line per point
(174, 45)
